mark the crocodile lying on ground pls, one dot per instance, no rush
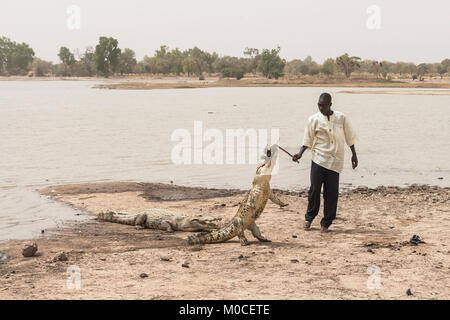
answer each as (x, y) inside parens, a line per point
(161, 219)
(250, 209)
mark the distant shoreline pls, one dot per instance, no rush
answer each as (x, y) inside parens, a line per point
(248, 84)
(146, 82)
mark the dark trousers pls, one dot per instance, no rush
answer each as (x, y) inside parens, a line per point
(330, 181)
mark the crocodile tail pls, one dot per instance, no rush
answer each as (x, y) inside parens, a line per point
(123, 218)
(223, 234)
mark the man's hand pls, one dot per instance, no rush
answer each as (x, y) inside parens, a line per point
(354, 157)
(354, 161)
(296, 157)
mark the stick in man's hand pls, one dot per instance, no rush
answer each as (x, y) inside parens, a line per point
(288, 153)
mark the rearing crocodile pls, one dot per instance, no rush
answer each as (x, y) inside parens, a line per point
(250, 209)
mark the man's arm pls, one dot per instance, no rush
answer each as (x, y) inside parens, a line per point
(308, 138)
(354, 157)
(298, 155)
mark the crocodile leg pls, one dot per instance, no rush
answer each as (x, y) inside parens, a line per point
(167, 226)
(241, 235)
(276, 200)
(242, 238)
(257, 233)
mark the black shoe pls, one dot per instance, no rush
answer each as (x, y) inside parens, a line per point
(307, 225)
(324, 229)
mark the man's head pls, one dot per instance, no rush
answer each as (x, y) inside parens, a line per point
(324, 103)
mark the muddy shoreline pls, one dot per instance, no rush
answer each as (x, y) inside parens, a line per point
(373, 228)
(142, 85)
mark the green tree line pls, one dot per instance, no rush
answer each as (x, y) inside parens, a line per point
(108, 59)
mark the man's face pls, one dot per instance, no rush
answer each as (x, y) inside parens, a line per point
(324, 106)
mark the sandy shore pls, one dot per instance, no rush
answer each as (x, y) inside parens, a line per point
(373, 228)
(405, 92)
(152, 82)
(218, 83)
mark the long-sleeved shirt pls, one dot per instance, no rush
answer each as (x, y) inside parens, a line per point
(326, 139)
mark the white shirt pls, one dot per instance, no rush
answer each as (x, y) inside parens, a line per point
(326, 139)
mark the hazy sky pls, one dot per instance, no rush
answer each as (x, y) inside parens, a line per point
(417, 31)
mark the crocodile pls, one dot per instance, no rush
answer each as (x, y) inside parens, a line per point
(250, 209)
(161, 219)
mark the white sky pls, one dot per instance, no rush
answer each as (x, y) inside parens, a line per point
(414, 30)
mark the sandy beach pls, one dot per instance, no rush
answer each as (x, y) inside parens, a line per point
(157, 82)
(133, 83)
(373, 230)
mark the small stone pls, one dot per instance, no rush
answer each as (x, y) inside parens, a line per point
(42, 231)
(371, 251)
(30, 250)
(61, 257)
(415, 240)
(166, 259)
(143, 275)
(249, 280)
(294, 261)
(441, 178)
(3, 257)
(185, 265)
(408, 292)
(223, 205)
(294, 236)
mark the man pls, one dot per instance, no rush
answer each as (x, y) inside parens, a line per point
(325, 134)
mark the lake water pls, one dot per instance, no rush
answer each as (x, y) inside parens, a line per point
(63, 132)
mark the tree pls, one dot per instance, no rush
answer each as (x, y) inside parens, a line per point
(422, 69)
(231, 67)
(197, 61)
(189, 66)
(15, 58)
(270, 64)
(446, 64)
(253, 56)
(328, 67)
(107, 55)
(66, 56)
(443, 67)
(294, 67)
(377, 67)
(348, 64)
(309, 66)
(127, 61)
(41, 68)
(85, 67)
(5, 47)
(176, 61)
(441, 70)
